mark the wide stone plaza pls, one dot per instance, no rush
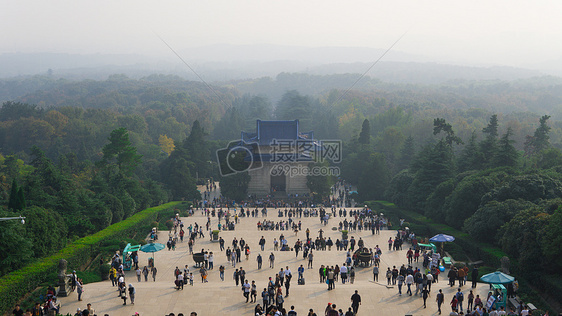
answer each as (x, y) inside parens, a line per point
(223, 297)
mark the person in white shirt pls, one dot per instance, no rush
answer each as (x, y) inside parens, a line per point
(211, 259)
(502, 311)
(429, 280)
(287, 271)
(246, 289)
(343, 273)
(179, 281)
(409, 282)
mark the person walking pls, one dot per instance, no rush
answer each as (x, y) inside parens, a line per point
(460, 298)
(355, 302)
(259, 259)
(123, 293)
(262, 243)
(246, 288)
(376, 274)
(388, 276)
(310, 258)
(145, 272)
(287, 285)
(253, 292)
(154, 271)
(211, 259)
(470, 301)
(132, 293)
(440, 298)
(425, 294)
(203, 273)
(236, 277)
(454, 303)
(409, 282)
(113, 276)
(330, 276)
(221, 272)
(474, 276)
(79, 289)
(400, 283)
(265, 298)
(139, 274)
(272, 260)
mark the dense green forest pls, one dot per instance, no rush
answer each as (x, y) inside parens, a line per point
(483, 157)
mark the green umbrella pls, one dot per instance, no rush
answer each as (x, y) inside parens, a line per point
(152, 247)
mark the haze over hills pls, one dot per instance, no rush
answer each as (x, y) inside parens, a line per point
(234, 62)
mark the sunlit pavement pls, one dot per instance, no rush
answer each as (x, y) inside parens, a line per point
(224, 298)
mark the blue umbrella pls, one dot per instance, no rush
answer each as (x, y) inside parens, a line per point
(497, 278)
(442, 238)
(152, 247)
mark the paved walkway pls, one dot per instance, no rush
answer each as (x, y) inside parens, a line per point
(224, 298)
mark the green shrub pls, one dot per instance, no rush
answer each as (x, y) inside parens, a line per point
(166, 215)
(169, 224)
(184, 206)
(89, 276)
(18, 283)
(104, 271)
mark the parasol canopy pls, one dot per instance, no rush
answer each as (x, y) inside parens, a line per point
(442, 238)
(497, 278)
(152, 247)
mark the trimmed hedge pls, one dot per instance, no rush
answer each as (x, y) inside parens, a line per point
(17, 284)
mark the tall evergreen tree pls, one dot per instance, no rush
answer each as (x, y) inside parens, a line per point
(230, 125)
(293, 106)
(120, 153)
(374, 179)
(470, 157)
(440, 125)
(234, 185)
(21, 200)
(407, 153)
(176, 170)
(13, 201)
(507, 155)
(365, 134)
(488, 146)
(492, 129)
(435, 166)
(197, 150)
(540, 139)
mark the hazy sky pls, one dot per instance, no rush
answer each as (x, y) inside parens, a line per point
(512, 32)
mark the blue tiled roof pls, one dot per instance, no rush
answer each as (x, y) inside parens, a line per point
(267, 131)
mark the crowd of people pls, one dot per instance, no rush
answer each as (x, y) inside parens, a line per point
(409, 279)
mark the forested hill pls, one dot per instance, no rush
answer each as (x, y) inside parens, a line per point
(536, 94)
(117, 91)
